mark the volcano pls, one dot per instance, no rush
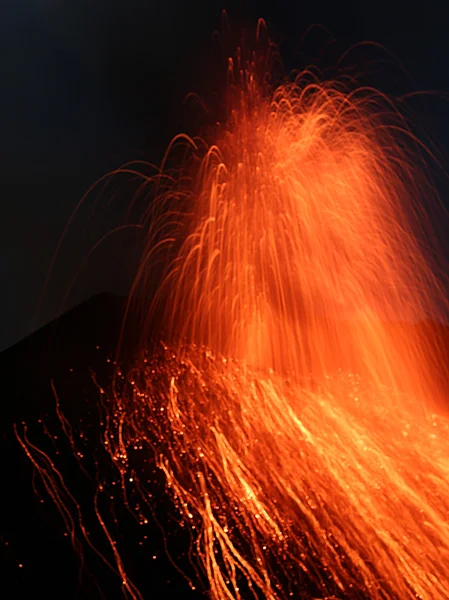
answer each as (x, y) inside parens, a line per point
(70, 356)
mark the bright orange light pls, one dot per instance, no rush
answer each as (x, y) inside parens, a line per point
(296, 432)
(293, 424)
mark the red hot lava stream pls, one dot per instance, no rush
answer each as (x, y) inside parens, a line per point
(294, 427)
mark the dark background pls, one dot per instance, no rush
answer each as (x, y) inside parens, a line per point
(89, 85)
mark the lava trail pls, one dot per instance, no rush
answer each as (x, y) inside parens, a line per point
(294, 425)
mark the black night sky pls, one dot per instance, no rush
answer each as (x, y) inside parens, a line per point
(89, 85)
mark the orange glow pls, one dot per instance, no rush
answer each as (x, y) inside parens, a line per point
(294, 426)
(301, 248)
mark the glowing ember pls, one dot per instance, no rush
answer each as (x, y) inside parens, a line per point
(293, 426)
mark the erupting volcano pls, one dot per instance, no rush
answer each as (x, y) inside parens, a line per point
(293, 423)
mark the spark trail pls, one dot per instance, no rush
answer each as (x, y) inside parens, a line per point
(293, 425)
(295, 428)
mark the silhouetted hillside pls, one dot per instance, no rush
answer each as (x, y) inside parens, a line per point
(36, 557)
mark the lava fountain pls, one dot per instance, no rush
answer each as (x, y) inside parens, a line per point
(300, 246)
(293, 423)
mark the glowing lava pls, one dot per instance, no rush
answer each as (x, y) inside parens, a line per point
(293, 425)
(291, 422)
(286, 490)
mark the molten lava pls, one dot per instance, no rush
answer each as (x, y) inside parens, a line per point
(293, 423)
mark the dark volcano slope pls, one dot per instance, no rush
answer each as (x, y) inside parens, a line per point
(36, 555)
